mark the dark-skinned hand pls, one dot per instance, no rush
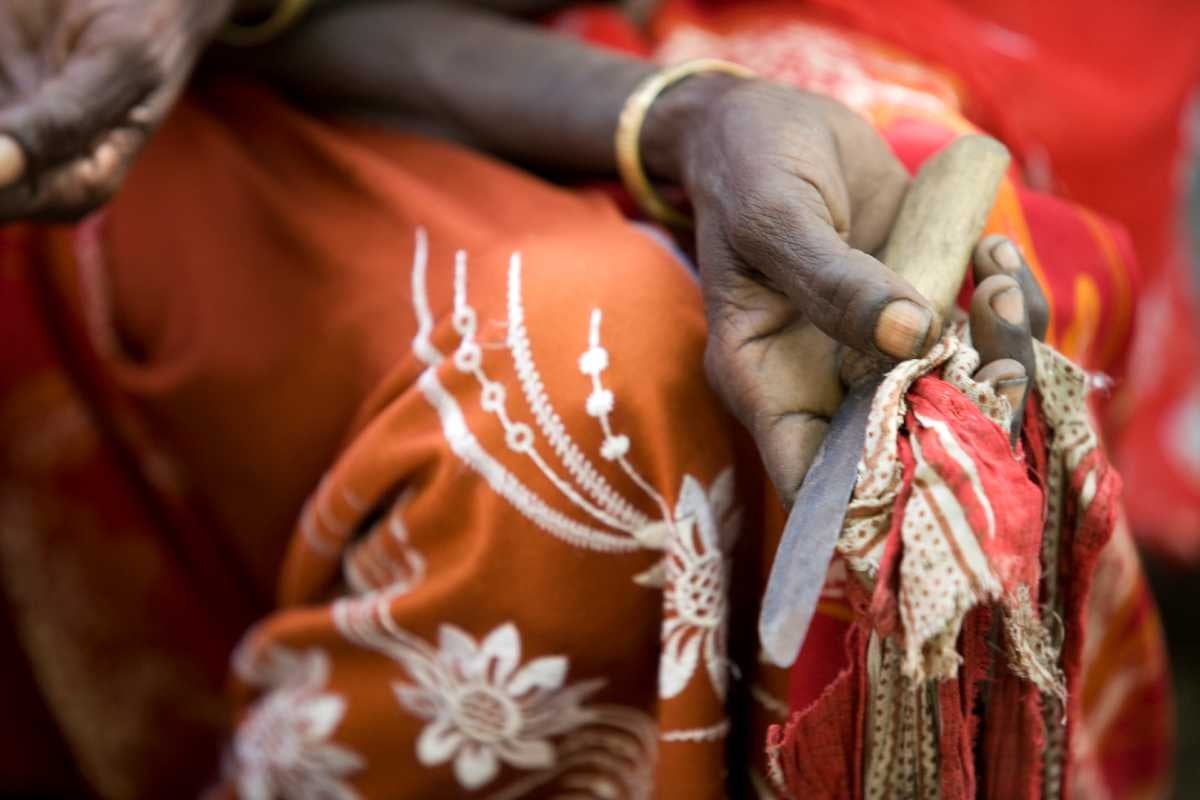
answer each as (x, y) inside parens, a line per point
(792, 193)
(83, 83)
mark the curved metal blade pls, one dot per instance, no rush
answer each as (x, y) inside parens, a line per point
(812, 530)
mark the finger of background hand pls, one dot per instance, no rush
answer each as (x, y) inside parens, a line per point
(1000, 332)
(12, 161)
(848, 294)
(71, 190)
(999, 255)
(63, 118)
(999, 322)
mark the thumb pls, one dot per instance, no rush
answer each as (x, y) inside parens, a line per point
(845, 292)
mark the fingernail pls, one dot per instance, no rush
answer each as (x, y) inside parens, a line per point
(1006, 256)
(902, 329)
(1013, 390)
(12, 161)
(1009, 305)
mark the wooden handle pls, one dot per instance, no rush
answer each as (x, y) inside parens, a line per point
(943, 215)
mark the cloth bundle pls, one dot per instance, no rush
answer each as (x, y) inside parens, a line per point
(972, 560)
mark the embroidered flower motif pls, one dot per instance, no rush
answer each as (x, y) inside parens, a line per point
(483, 710)
(283, 747)
(697, 577)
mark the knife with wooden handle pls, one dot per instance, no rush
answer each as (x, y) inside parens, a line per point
(930, 245)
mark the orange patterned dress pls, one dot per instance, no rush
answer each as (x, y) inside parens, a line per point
(340, 463)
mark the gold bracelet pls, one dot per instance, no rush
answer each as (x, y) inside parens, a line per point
(629, 132)
(285, 15)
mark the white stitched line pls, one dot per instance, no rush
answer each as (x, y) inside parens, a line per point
(421, 344)
(548, 420)
(354, 501)
(464, 444)
(710, 734)
(325, 535)
(604, 418)
(467, 447)
(308, 526)
(369, 566)
(518, 436)
(329, 518)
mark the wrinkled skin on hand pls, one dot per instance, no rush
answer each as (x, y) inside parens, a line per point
(792, 193)
(83, 83)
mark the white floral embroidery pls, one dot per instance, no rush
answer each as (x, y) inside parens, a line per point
(484, 708)
(614, 537)
(613, 756)
(593, 363)
(695, 620)
(696, 535)
(283, 749)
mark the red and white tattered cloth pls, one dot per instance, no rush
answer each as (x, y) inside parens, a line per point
(973, 559)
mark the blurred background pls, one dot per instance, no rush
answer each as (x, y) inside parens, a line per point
(1176, 587)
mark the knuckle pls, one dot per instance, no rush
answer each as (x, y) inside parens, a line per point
(852, 301)
(759, 218)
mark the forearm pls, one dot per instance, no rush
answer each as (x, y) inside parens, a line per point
(498, 84)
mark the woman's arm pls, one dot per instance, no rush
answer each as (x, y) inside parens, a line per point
(470, 74)
(791, 191)
(82, 85)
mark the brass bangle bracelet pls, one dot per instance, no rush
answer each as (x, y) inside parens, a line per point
(629, 131)
(285, 15)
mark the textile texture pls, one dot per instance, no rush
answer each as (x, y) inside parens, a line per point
(429, 439)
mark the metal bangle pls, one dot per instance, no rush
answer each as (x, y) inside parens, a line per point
(285, 15)
(629, 131)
